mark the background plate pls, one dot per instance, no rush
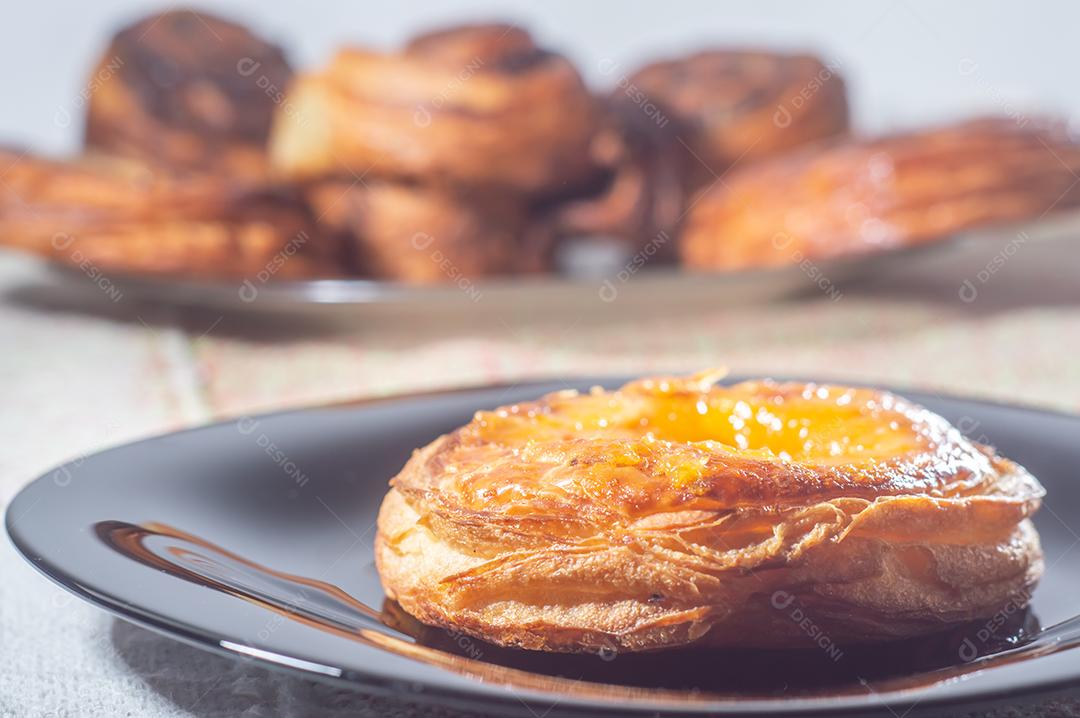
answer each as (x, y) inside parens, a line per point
(253, 538)
(590, 271)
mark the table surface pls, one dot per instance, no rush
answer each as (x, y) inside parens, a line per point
(81, 372)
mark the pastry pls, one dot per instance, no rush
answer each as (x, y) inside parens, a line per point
(643, 196)
(428, 235)
(675, 126)
(121, 215)
(478, 106)
(676, 511)
(731, 107)
(187, 90)
(859, 197)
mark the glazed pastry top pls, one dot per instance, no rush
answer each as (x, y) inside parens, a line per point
(664, 444)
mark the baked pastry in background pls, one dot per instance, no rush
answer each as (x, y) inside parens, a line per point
(126, 216)
(675, 511)
(643, 196)
(478, 106)
(187, 90)
(739, 106)
(858, 197)
(428, 235)
(675, 126)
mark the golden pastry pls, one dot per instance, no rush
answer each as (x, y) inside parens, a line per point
(121, 215)
(430, 235)
(474, 105)
(675, 511)
(861, 197)
(187, 90)
(732, 106)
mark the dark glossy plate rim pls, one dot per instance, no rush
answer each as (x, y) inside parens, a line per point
(513, 699)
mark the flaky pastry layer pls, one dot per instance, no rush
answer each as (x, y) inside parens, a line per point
(676, 512)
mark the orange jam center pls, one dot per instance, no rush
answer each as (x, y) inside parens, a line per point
(803, 423)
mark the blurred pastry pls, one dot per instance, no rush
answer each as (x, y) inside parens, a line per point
(859, 197)
(122, 215)
(426, 235)
(188, 90)
(675, 512)
(477, 106)
(643, 196)
(732, 107)
(675, 126)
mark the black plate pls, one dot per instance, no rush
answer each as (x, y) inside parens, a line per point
(253, 538)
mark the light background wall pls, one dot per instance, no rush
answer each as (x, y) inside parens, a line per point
(906, 61)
